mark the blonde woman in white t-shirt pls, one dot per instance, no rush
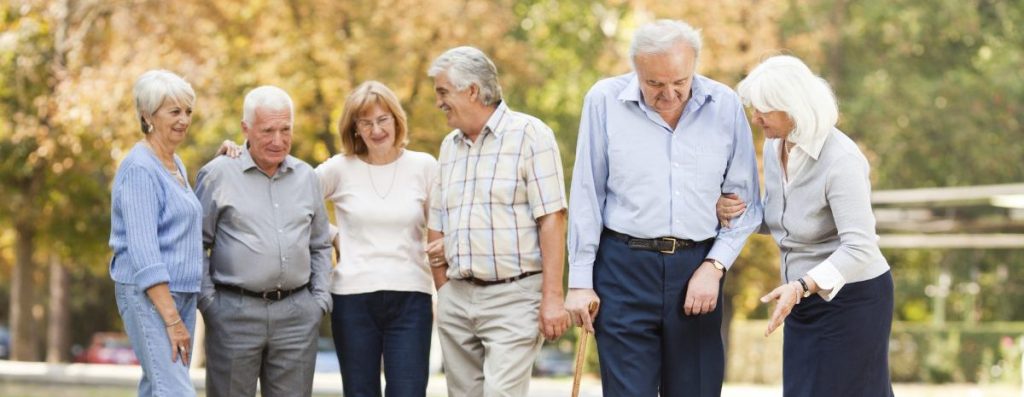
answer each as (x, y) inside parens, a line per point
(382, 284)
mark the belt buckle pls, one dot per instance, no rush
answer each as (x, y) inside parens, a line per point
(269, 295)
(674, 243)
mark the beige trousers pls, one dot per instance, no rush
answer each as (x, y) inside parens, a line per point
(489, 336)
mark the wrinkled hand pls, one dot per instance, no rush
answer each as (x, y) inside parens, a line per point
(554, 320)
(729, 206)
(435, 253)
(577, 303)
(702, 290)
(787, 295)
(229, 149)
(181, 343)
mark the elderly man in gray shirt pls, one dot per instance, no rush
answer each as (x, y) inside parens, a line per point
(268, 248)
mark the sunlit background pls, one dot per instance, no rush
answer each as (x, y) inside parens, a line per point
(932, 91)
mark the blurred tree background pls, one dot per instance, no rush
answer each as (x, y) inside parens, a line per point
(933, 91)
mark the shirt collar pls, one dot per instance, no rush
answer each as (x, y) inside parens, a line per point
(698, 91)
(812, 147)
(248, 163)
(492, 125)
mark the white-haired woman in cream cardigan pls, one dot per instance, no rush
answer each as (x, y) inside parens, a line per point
(836, 296)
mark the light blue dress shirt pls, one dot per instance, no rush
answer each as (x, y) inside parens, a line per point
(636, 175)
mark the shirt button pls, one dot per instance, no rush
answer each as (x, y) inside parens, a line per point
(673, 164)
(275, 205)
(285, 258)
(281, 231)
(677, 192)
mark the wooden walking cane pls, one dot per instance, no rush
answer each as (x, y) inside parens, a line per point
(581, 353)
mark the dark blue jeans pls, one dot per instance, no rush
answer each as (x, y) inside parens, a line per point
(392, 324)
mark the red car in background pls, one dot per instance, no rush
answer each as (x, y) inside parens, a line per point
(108, 348)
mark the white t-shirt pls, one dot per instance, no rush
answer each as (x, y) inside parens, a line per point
(381, 219)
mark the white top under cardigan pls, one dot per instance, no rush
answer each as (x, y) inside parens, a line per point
(381, 223)
(820, 216)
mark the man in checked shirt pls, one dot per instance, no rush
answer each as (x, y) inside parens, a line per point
(497, 232)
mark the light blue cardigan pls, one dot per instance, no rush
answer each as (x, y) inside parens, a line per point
(155, 225)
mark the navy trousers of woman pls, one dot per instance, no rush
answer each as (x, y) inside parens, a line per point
(394, 325)
(840, 348)
(645, 343)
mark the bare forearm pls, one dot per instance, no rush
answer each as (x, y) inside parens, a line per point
(435, 249)
(552, 253)
(160, 295)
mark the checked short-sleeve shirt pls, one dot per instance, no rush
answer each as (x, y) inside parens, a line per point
(490, 193)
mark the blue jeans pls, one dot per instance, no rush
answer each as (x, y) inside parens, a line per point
(146, 330)
(395, 324)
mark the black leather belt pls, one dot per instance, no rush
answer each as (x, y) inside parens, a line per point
(484, 283)
(665, 245)
(274, 295)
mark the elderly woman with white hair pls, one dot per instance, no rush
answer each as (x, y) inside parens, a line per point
(156, 237)
(837, 293)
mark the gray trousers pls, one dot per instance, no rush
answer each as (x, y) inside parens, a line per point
(251, 338)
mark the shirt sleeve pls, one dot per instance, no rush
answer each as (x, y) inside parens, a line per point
(848, 191)
(138, 196)
(434, 221)
(545, 180)
(320, 251)
(204, 191)
(328, 175)
(587, 192)
(741, 179)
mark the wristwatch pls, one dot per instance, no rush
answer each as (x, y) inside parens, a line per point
(718, 265)
(803, 284)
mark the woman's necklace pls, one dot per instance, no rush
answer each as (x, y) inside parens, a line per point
(394, 174)
(173, 170)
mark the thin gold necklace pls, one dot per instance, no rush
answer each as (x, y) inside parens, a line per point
(173, 171)
(394, 174)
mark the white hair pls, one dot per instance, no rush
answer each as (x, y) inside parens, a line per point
(784, 83)
(466, 66)
(266, 97)
(661, 36)
(156, 86)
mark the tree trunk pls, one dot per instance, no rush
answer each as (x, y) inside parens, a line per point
(57, 333)
(24, 340)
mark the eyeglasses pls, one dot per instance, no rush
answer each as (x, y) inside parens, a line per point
(365, 125)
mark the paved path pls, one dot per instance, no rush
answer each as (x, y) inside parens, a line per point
(329, 384)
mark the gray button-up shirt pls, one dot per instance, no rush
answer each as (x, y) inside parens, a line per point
(263, 233)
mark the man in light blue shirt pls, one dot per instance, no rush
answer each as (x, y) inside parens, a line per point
(655, 151)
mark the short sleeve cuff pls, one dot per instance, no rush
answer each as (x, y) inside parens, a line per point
(828, 278)
(151, 275)
(544, 209)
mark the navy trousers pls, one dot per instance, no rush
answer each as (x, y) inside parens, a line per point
(840, 348)
(645, 343)
(394, 325)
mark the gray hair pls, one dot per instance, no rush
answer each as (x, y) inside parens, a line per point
(156, 86)
(660, 36)
(466, 66)
(784, 83)
(266, 97)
